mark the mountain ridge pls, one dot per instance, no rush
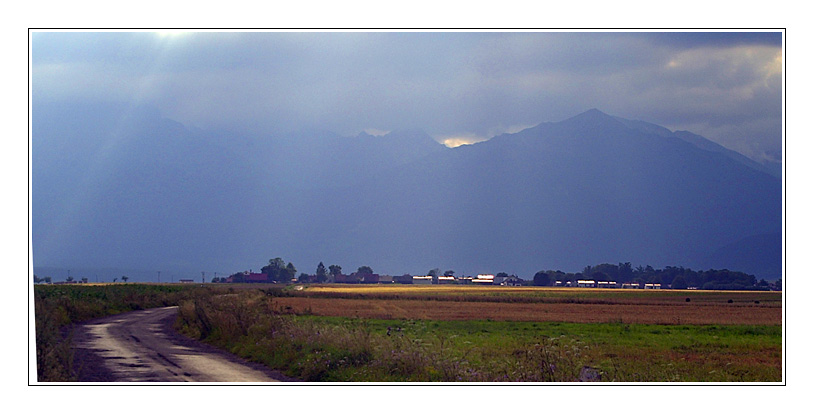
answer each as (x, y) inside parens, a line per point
(559, 195)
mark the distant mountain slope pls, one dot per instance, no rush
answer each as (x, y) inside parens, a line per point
(125, 188)
(701, 142)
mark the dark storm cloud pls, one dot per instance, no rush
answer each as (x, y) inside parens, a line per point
(470, 85)
(685, 40)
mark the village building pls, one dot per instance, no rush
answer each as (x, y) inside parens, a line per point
(484, 279)
(607, 284)
(369, 278)
(247, 276)
(512, 281)
(586, 283)
(423, 279)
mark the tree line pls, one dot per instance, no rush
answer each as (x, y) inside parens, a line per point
(277, 270)
(670, 276)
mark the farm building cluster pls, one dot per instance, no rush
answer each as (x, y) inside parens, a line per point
(607, 284)
(357, 278)
(480, 279)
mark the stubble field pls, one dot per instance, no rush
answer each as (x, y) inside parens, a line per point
(574, 305)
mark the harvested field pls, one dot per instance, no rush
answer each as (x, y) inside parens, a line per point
(668, 313)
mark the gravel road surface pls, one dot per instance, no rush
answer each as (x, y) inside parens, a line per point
(141, 346)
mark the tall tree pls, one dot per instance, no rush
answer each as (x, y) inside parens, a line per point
(273, 269)
(365, 270)
(321, 273)
(541, 278)
(335, 270)
(287, 274)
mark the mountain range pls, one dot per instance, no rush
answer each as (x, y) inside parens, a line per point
(126, 188)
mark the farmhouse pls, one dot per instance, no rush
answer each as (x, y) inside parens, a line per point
(247, 276)
(607, 284)
(484, 279)
(369, 278)
(586, 283)
(422, 279)
(186, 281)
(447, 280)
(653, 286)
(630, 285)
(342, 279)
(512, 281)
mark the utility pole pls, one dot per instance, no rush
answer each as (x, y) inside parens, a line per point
(202, 277)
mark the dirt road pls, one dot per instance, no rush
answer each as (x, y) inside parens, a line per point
(141, 346)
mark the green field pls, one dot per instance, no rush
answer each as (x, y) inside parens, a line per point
(258, 323)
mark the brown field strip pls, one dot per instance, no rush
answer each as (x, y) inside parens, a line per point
(559, 312)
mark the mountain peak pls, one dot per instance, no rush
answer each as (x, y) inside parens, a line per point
(591, 115)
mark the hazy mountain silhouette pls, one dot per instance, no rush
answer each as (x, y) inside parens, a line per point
(125, 188)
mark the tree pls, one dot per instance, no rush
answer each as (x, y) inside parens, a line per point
(321, 273)
(626, 272)
(237, 277)
(541, 279)
(84, 280)
(365, 270)
(48, 280)
(37, 279)
(125, 278)
(449, 273)
(334, 270)
(273, 269)
(679, 283)
(286, 274)
(69, 279)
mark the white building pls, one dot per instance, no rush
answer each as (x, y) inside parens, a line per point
(486, 279)
(422, 279)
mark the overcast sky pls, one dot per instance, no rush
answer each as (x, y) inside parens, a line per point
(458, 87)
